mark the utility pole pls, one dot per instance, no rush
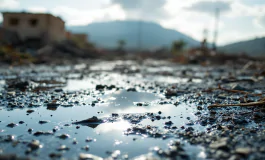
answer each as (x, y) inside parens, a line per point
(205, 37)
(215, 35)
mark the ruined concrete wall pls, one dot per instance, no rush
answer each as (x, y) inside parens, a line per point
(56, 29)
(27, 25)
(45, 27)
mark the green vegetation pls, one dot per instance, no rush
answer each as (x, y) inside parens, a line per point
(178, 47)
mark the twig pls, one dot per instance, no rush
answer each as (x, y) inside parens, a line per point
(261, 102)
(237, 91)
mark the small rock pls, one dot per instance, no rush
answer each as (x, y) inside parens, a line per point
(83, 156)
(220, 144)
(63, 148)
(21, 122)
(11, 125)
(86, 148)
(243, 151)
(55, 155)
(169, 123)
(64, 136)
(30, 111)
(39, 133)
(43, 122)
(35, 144)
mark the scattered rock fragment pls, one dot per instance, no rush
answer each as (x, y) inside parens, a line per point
(243, 151)
(63, 148)
(43, 122)
(39, 133)
(35, 144)
(83, 156)
(64, 136)
(91, 120)
(11, 125)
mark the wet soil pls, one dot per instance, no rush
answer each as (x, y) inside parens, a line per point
(130, 110)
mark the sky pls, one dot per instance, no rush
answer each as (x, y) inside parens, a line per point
(239, 19)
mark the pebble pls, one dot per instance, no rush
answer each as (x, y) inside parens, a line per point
(86, 148)
(21, 122)
(43, 122)
(63, 148)
(220, 144)
(35, 144)
(39, 133)
(169, 123)
(243, 151)
(83, 156)
(11, 125)
(30, 111)
(55, 155)
(64, 136)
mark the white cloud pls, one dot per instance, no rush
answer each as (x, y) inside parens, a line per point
(150, 10)
(74, 16)
(8, 4)
(37, 9)
(260, 21)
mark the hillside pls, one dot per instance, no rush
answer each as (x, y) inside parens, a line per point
(254, 47)
(106, 34)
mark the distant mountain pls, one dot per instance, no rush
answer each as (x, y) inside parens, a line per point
(254, 47)
(106, 34)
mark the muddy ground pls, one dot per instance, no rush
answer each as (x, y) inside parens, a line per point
(131, 110)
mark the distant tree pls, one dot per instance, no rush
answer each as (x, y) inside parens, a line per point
(178, 46)
(121, 44)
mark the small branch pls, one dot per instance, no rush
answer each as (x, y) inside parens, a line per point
(262, 102)
(237, 91)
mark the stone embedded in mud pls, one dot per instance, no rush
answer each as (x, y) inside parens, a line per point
(43, 122)
(64, 136)
(89, 140)
(91, 120)
(243, 151)
(30, 111)
(11, 125)
(131, 90)
(7, 138)
(55, 155)
(58, 90)
(21, 122)
(75, 141)
(39, 133)
(220, 144)
(169, 123)
(115, 115)
(100, 87)
(86, 148)
(83, 156)
(35, 144)
(63, 148)
(56, 128)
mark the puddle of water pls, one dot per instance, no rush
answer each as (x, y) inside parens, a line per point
(105, 137)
